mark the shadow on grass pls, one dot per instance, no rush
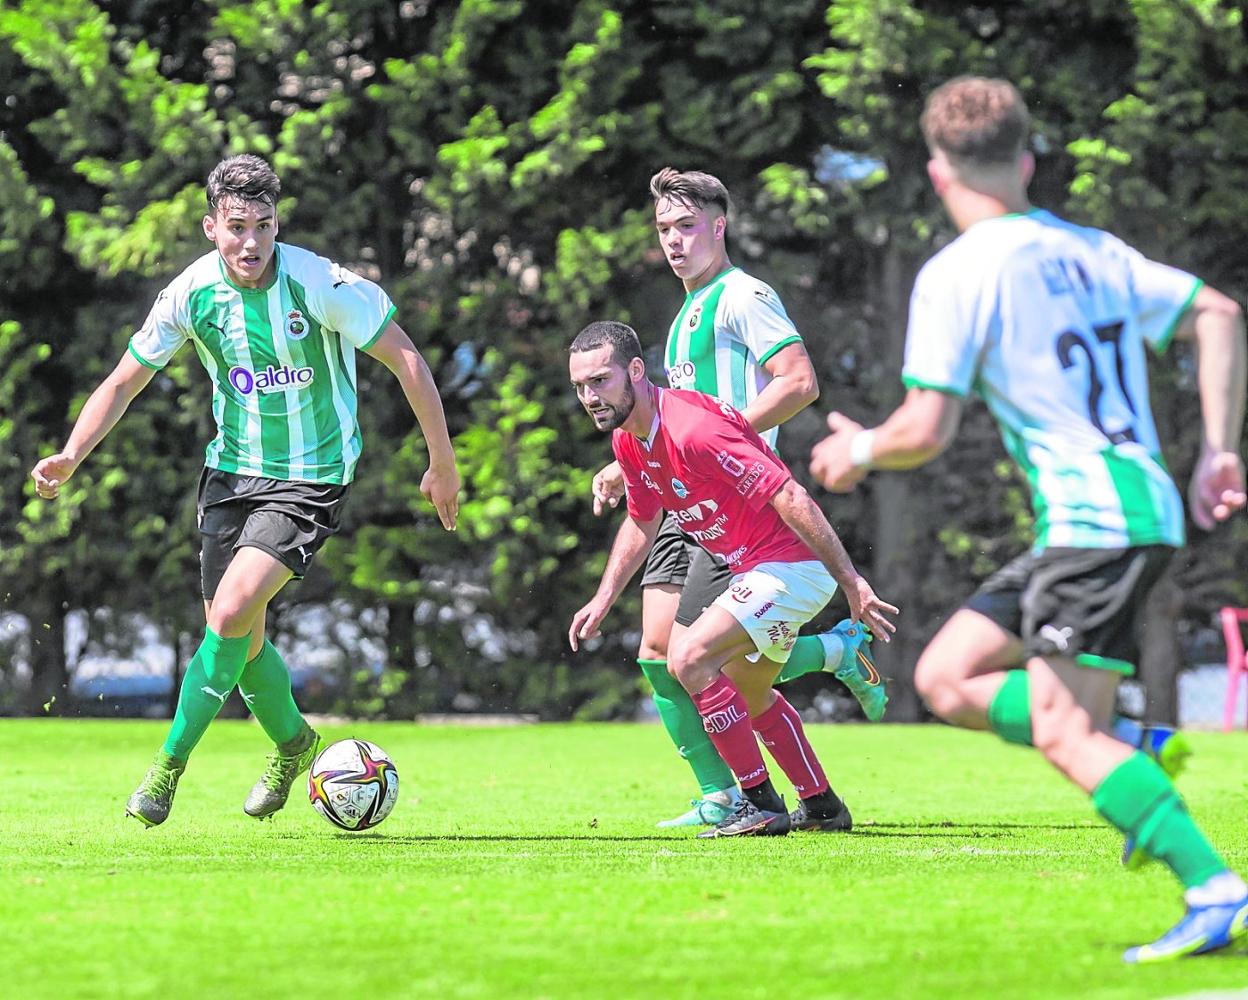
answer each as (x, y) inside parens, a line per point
(947, 828)
(937, 829)
(432, 838)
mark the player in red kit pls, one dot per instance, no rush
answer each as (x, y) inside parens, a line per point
(699, 459)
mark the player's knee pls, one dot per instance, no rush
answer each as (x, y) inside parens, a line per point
(938, 690)
(230, 617)
(687, 662)
(651, 649)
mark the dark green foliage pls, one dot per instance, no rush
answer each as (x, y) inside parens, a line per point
(487, 162)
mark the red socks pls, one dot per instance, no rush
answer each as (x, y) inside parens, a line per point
(727, 721)
(780, 729)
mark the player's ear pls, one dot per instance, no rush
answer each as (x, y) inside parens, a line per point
(210, 227)
(636, 370)
(721, 227)
(938, 174)
(1026, 166)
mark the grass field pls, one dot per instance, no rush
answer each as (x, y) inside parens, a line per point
(522, 862)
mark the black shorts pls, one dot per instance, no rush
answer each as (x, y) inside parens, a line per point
(288, 520)
(681, 562)
(1079, 603)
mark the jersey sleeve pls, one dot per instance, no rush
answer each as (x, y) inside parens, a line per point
(1162, 294)
(165, 330)
(352, 306)
(945, 335)
(756, 316)
(723, 445)
(642, 504)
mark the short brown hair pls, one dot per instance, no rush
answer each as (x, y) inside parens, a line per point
(620, 337)
(974, 119)
(244, 178)
(691, 186)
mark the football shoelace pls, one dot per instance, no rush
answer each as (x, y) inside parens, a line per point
(280, 771)
(159, 782)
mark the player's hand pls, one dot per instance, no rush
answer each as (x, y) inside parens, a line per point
(1217, 488)
(865, 607)
(50, 473)
(586, 621)
(608, 488)
(829, 459)
(440, 486)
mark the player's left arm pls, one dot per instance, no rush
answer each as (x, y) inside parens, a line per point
(441, 482)
(1215, 323)
(803, 515)
(916, 432)
(757, 318)
(792, 388)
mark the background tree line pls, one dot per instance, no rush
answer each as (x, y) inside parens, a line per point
(487, 162)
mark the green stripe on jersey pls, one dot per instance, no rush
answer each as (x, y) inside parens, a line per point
(274, 442)
(693, 340)
(1141, 507)
(324, 440)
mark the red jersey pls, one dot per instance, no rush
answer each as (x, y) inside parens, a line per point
(708, 466)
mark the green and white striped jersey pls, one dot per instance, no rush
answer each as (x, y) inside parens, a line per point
(1047, 322)
(723, 335)
(281, 360)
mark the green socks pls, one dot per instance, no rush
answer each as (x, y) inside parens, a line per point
(1009, 715)
(1140, 800)
(806, 657)
(684, 725)
(208, 681)
(265, 686)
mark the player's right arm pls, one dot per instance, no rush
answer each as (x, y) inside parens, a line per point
(1216, 324)
(99, 415)
(629, 551)
(802, 514)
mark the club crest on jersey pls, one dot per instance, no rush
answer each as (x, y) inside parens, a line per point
(296, 325)
(679, 488)
(695, 318)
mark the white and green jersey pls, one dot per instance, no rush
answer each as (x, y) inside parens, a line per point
(281, 359)
(1047, 321)
(723, 335)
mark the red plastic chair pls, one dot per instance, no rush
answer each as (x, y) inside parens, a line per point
(1236, 661)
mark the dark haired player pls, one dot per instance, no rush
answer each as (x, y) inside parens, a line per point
(697, 458)
(277, 329)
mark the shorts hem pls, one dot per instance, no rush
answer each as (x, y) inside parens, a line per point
(299, 571)
(1110, 663)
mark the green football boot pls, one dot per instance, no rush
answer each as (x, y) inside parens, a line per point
(712, 808)
(856, 669)
(285, 764)
(152, 800)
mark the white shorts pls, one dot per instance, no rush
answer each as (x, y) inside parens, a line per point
(774, 600)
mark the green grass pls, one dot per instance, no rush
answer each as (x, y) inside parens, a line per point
(523, 862)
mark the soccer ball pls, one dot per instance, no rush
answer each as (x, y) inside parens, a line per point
(353, 784)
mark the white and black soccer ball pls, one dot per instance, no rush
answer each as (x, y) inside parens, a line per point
(353, 784)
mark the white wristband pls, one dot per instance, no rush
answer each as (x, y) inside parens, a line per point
(861, 448)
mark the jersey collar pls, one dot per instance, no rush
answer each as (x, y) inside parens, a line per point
(654, 426)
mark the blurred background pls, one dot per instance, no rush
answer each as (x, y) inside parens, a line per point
(487, 162)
